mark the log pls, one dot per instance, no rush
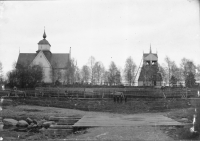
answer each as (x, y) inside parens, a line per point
(66, 122)
(61, 127)
(63, 118)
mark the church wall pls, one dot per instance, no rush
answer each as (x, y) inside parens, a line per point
(42, 61)
(47, 75)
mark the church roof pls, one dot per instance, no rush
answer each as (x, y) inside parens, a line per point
(25, 59)
(57, 60)
(146, 54)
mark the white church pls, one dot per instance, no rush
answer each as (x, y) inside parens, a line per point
(50, 62)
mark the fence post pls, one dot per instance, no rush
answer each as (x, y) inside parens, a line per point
(84, 92)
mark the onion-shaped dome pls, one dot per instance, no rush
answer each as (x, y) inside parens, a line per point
(44, 41)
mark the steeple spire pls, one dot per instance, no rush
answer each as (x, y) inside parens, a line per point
(150, 48)
(44, 35)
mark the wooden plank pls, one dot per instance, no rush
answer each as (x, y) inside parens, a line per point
(129, 120)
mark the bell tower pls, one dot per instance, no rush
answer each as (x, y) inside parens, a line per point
(44, 44)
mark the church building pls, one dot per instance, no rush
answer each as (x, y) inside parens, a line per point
(54, 64)
(149, 74)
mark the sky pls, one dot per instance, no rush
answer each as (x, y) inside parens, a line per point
(109, 30)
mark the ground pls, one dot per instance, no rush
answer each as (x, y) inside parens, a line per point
(142, 133)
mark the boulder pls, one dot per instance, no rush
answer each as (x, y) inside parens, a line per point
(22, 123)
(40, 123)
(29, 120)
(47, 124)
(42, 129)
(9, 122)
(32, 125)
(34, 121)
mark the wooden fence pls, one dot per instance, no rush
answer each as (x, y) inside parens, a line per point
(107, 92)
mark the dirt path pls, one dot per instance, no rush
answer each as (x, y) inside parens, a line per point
(123, 133)
(99, 133)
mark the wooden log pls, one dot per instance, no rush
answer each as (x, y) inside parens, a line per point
(63, 118)
(61, 127)
(67, 122)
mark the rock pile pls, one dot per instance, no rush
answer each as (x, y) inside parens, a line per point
(28, 124)
(64, 124)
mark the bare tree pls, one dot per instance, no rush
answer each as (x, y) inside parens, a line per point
(172, 70)
(163, 72)
(187, 66)
(85, 73)
(114, 76)
(98, 71)
(105, 77)
(168, 68)
(91, 62)
(129, 71)
(70, 71)
(1, 72)
(198, 73)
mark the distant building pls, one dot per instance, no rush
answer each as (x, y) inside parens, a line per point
(53, 64)
(149, 74)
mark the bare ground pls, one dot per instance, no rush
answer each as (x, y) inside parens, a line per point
(97, 133)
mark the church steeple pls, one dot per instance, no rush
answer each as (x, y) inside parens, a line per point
(44, 35)
(150, 48)
(44, 44)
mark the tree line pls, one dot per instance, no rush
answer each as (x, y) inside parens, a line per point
(94, 73)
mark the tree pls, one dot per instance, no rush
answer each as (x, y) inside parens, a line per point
(187, 66)
(91, 62)
(77, 74)
(198, 73)
(168, 68)
(163, 73)
(129, 71)
(114, 76)
(173, 80)
(1, 72)
(98, 71)
(71, 68)
(55, 73)
(190, 80)
(105, 77)
(172, 70)
(85, 73)
(25, 77)
(118, 77)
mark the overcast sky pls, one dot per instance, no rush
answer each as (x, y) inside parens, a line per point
(109, 30)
